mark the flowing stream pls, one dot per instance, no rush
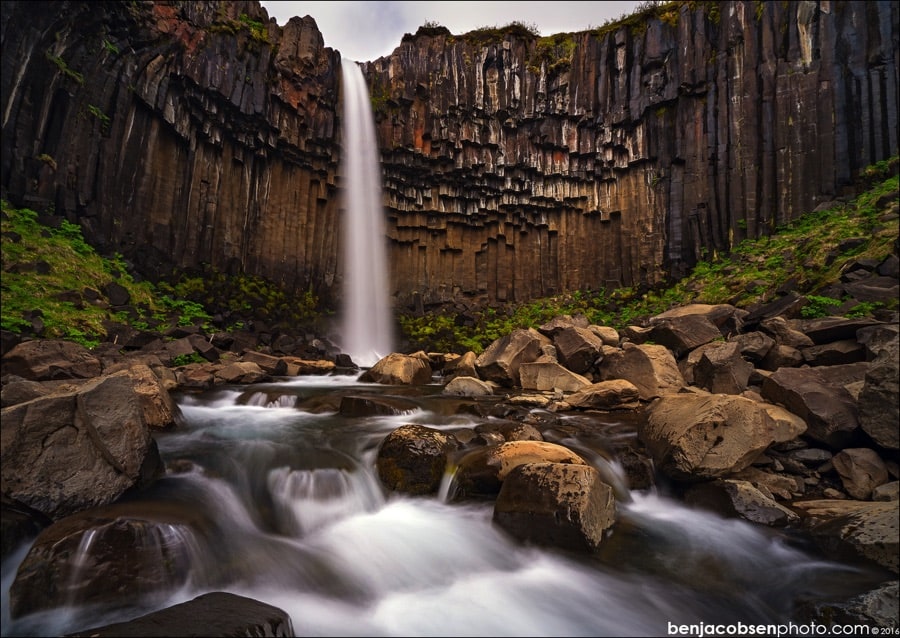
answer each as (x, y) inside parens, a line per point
(272, 494)
(367, 328)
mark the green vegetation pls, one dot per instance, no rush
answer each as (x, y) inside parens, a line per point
(666, 12)
(484, 36)
(379, 96)
(46, 270)
(51, 273)
(52, 277)
(255, 28)
(555, 51)
(100, 115)
(64, 68)
(811, 251)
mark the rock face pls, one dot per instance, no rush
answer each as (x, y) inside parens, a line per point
(515, 167)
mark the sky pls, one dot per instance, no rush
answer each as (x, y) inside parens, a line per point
(366, 31)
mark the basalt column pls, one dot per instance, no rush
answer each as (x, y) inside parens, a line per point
(517, 167)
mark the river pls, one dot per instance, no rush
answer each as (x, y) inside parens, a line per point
(286, 508)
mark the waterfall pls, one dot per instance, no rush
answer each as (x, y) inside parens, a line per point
(366, 333)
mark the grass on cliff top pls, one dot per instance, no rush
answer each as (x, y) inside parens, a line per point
(807, 255)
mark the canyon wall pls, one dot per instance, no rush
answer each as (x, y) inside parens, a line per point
(626, 154)
(515, 167)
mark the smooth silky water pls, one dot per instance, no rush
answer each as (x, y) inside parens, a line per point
(270, 493)
(366, 322)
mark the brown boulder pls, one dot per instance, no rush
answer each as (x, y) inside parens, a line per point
(556, 504)
(45, 360)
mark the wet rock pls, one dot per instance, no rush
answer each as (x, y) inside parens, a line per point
(18, 524)
(853, 530)
(613, 394)
(555, 504)
(500, 431)
(106, 555)
(358, 405)
(468, 387)
(413, 459)
(731, 497)
(481, 472)
(878, 608)
(212, 614)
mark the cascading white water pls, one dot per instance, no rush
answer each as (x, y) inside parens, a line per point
(366, 333)
(281, 502)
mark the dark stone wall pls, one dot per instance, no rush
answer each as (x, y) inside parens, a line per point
(177, 133)
(655, 143)
(189, 133)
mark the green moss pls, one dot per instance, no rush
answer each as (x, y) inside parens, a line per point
(555, 51)
(64, 68)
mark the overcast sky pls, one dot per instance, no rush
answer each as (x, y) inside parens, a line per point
(365, 31)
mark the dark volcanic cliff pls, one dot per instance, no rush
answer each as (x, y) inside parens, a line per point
(514, 166)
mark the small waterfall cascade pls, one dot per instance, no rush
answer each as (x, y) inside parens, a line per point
(366, 332)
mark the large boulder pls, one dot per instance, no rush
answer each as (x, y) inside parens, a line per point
(578, 348)
(501, 360)
(683, 333)
(45, 360)
(853, 530)
(701, 436)
(606, 395)
(213, 614)
(481, 472)
(828, 408)
(399, 369)
(413, 459)
(650, 367)
(879, 400)
(861, 471)
(70, 451)
(466, 386)
(159, 410)
(722, 370)
(550, 376)
(735, 497)
(556, 504)
(111, 554)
